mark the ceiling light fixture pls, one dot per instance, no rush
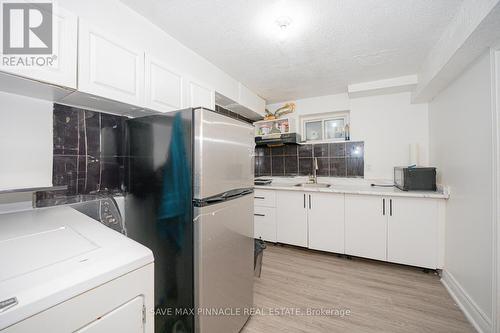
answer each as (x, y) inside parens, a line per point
(283, 23)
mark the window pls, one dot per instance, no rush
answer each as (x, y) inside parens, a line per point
(325, 127)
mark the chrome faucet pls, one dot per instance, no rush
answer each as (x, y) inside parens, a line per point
(314, 177)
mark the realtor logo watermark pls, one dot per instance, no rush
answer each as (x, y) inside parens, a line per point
(27, 34)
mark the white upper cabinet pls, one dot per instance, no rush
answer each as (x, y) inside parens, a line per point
(250, 100)
(63, 69)
(412, 231)
(201, 96)
(326, 222)
(110, 66)
(163, 86)
(291, 217)
(366, 226)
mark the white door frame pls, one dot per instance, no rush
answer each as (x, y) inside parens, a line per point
(495, 65)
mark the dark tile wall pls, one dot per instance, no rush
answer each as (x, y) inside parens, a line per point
(88, 151)
(340, 159)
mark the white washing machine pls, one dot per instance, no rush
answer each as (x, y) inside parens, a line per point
(62, 271)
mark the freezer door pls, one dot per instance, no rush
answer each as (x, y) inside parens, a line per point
(224, 264)
(223, 154)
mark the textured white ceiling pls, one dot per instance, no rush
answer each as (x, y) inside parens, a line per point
(330, 43)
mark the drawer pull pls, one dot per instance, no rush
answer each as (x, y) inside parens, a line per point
(259, 214)
(259, 198)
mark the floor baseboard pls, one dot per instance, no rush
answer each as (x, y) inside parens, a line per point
(474, 314)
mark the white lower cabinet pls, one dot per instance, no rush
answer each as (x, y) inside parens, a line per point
(326, 222)
(366, 226)
(412, 232)
(291, 218)
(402, 230)
(265, 215)
(265, 223)
(395, 229)
(314, 220)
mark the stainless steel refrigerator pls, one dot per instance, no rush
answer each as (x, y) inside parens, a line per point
(189, 198)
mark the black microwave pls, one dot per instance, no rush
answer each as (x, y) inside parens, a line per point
(415, 178)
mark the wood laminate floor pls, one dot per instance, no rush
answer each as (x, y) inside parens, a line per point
(381, 297)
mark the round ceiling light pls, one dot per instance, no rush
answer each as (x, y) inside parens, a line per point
(283, 23)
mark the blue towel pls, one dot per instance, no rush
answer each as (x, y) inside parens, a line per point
(176, 188)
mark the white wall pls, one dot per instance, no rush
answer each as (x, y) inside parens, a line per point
(25, 142)
(387, 123)
(461, 147)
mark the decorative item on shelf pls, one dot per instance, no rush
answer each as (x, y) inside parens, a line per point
(264, 130)
(269, 115)
(347, 132)
(275, 129)
(283, 127)
(285, 109)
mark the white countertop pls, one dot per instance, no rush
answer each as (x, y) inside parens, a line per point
(348, 186)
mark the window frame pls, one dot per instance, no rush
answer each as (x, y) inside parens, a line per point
(323, 117)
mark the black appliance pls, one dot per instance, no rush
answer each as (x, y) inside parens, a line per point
(415, 178)
(277, 139)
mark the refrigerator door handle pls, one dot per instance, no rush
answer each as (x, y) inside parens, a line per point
(237, 193)
(222, 197)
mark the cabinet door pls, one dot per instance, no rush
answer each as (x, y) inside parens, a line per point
(326, 222)
(365, 226)
(412, 234)
(63, 69)
(200, 95)
(109, 67)
(249, 99)
(163, 86)
(265, 223)
(265, 198)
(291, 218)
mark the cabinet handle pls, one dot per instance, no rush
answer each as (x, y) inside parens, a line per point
(310, 201)
(383, 206)
(304, 200)
(259, 198)
(390, 207)
(259, 214)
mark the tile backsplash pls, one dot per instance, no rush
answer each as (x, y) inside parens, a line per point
(88, 150)
(339, 159)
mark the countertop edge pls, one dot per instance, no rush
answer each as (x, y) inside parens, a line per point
(332, 189)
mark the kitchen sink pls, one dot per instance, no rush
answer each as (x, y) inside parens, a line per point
(313, 185)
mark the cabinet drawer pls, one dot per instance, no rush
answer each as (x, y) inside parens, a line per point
(265, 223)
(265, 198)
